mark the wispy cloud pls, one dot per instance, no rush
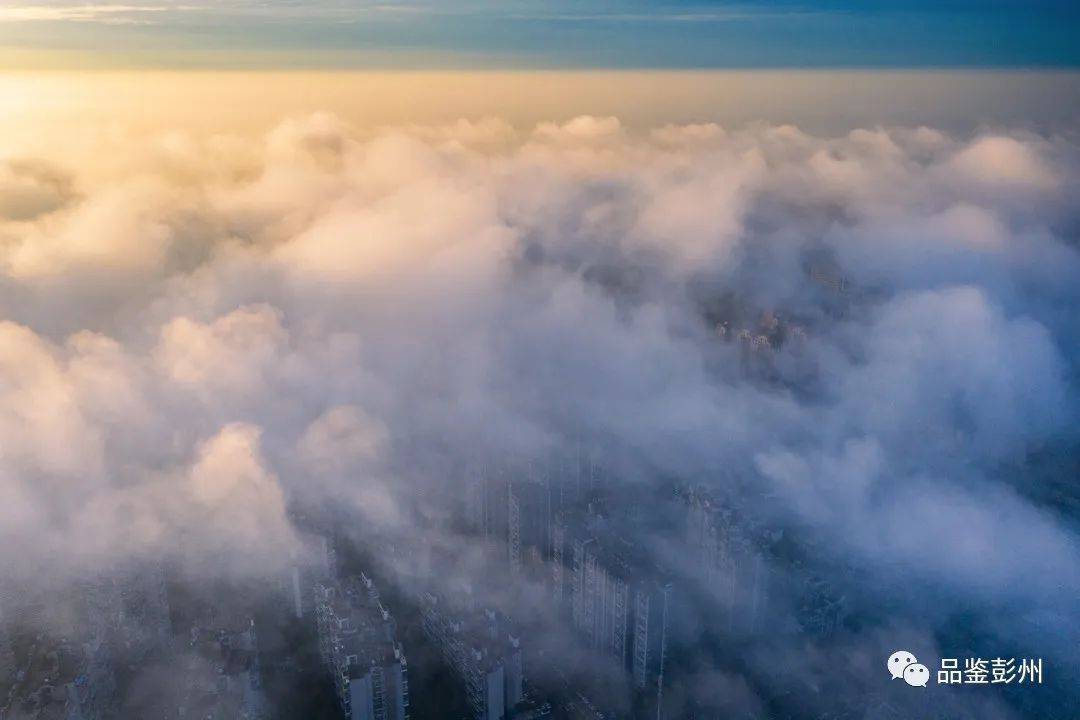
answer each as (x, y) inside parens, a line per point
(689, 17)
(120, 13)
(113, 14)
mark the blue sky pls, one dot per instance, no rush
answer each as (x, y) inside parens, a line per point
(552, 34)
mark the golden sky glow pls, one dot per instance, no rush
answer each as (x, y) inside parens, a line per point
(37, 109)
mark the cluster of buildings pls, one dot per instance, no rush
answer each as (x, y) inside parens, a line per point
(69, 680)
(604, 590)
(84, 651)
(358, 647)
(737, 569)
(7, 652)
(620, 609)
(103, 626)
(564, 532)
(132, 606)
(758, 342)
(219, 677)
(729, 563)
(66, 678)
(477, 644)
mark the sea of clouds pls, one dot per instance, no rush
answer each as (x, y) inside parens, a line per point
(195, 332)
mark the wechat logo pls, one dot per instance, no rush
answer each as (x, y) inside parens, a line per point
(904, 665)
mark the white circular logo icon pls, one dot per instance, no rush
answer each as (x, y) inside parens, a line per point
(898, 661)
(916, 675)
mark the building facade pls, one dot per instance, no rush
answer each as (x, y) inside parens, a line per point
(358, 647)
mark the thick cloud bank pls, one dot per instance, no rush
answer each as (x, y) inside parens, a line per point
(197, 333)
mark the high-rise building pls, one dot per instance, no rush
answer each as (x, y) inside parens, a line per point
(733, 568)
(315, 563)
(357, 644)
(653, 613)
(481, 651)
(7, 654)
(558, 566)
(600, 599)
(513, 534)
(529, 514)
(620, 609)
(485, 500)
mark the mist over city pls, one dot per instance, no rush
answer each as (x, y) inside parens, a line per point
(588, 409)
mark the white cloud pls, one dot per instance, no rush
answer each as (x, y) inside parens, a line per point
(997, 161)
(232, 354)
(215, 328)
(102, 13)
